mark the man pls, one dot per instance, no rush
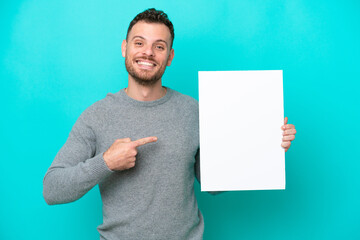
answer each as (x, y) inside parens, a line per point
(141, 145)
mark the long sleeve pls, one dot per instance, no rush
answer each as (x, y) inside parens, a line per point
(197, 165)
(75, 169)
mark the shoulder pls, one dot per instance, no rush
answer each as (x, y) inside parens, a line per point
(185, 101)
(185, 107)
(96, 111)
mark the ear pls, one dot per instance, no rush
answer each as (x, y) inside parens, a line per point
(171, 57)
(123, 48)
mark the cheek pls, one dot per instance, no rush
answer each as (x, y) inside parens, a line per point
(130, 53)
(126, 54)
(164, 59)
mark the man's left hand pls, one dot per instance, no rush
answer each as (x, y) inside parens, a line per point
(289, 132)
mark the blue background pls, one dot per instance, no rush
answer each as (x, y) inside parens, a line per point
(58, 57)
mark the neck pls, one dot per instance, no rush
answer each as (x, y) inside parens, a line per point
(145, 93)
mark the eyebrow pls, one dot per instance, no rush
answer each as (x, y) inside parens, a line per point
(159, 40)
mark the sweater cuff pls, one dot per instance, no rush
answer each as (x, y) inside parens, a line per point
(98, 167)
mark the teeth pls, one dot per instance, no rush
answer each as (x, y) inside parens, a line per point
(146, 63)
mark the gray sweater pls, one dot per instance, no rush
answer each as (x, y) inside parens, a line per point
(153, 200)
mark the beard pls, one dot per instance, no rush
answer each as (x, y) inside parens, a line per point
(142, 76)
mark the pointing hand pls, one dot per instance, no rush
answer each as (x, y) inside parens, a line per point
(122, 153)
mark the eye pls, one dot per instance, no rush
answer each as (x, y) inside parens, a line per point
(138, 43)
(160, 47)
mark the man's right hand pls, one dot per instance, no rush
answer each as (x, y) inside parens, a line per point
(121, 155)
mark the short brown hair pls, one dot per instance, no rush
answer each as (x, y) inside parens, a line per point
(152, 15)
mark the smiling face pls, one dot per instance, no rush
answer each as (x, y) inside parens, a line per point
(147, 52)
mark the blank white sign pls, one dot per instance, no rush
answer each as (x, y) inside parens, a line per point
(241, 114)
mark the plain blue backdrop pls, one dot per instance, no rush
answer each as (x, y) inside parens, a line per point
(59, 57)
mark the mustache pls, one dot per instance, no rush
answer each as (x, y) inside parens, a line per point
(146, 58)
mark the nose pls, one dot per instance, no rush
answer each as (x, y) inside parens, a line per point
(149, 51)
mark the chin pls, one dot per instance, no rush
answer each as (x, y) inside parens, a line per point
(146, 81)
(144, 77)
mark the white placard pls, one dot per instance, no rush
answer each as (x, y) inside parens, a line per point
(241, 114)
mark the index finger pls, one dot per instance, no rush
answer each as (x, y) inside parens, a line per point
(143, 141)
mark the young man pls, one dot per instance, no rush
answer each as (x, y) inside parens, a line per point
(141, 145)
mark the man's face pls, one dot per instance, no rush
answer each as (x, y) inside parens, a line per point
(147, 52)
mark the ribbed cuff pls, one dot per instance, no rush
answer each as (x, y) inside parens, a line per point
(98, 167)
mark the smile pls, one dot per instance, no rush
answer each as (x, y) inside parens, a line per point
(145, 64)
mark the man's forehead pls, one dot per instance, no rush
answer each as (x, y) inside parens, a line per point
(150, 30)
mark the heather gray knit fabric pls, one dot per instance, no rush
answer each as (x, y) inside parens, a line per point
(153, 200)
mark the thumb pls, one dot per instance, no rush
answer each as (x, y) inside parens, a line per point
(285, 120)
